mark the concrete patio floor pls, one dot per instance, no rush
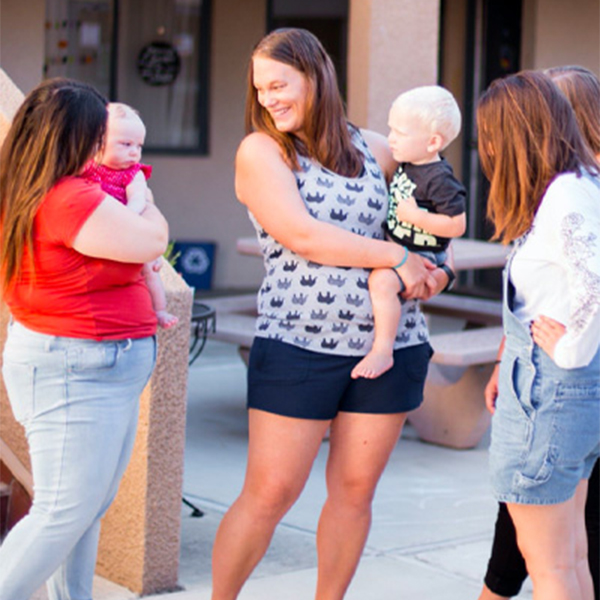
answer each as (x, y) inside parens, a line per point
(433, 513)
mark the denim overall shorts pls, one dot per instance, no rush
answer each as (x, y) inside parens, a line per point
(546, 427)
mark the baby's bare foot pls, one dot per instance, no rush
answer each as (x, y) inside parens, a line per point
(373, 365)
(165, 319)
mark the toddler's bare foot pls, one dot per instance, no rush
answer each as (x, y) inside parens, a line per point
(165, 319)
(373, 365)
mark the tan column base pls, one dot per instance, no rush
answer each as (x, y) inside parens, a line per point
(453, 412)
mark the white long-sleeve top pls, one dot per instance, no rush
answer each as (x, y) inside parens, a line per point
(556, 267)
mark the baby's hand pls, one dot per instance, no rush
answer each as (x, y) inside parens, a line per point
(137, 193)
(546, 332)
(136, 203)
(407, 209)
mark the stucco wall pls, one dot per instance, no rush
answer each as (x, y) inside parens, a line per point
(22, 41)
(140, 538)
(197, 194)
(452, 69)
(556, 32)
(393, 46)
(11, 433)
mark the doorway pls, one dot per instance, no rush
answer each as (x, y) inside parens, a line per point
(327, 19)
(483, 38)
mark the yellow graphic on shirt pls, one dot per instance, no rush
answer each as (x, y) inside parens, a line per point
(402, 188)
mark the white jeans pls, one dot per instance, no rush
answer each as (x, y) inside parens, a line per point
(78, 402)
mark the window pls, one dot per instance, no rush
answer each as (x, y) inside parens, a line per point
(151, 55)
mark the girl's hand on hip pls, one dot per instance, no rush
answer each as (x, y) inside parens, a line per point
(546, 332)
(491, 390)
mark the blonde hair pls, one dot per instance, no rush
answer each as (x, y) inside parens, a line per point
(435, 107)
(119, 110)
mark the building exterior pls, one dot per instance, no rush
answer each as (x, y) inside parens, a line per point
(182, 63)
(384, 47)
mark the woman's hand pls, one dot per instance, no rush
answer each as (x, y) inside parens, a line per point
(491, 390)
(416, 273)
(546, 332)
(438, 280)
(436, 283)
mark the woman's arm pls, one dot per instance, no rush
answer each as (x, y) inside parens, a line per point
(115, 232)
(267, 186)
(575, 217)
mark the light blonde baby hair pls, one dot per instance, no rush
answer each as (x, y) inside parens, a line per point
(435, 107)
(120, 110)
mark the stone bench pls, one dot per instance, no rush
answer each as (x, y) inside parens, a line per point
(236, 316)
(481, 311)
(453, 412)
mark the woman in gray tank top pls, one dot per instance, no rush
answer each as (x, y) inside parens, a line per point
(316, 191)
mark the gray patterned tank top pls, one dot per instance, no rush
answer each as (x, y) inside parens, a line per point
(318, 307)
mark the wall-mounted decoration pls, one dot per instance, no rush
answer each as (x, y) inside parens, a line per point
(158, 63)
(90, 34)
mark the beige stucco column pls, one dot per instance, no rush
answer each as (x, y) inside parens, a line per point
(392, 47)
(139, 545)
(140, 538)
(13, 445)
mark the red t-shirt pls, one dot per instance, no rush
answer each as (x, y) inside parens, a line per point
(70, 294)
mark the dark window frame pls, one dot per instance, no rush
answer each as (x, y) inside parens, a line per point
(204, 45)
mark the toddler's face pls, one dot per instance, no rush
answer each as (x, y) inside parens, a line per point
(124, 142)
(408, 137)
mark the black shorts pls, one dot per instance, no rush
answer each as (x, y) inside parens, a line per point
(293, 382)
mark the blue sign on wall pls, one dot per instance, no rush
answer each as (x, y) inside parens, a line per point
(195, 262)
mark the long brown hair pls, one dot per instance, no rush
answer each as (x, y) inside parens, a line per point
(582, 89)
(325, 127)
(527, 135)
(59, 126)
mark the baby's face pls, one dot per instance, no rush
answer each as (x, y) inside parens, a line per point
(124, 142)
(408, 137)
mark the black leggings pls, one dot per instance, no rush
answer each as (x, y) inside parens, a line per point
(506, 568)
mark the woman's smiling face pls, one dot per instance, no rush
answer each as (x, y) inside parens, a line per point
(282, 91)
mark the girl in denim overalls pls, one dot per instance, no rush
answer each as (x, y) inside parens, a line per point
(545, 196)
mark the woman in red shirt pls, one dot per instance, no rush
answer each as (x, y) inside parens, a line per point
(80, 344)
